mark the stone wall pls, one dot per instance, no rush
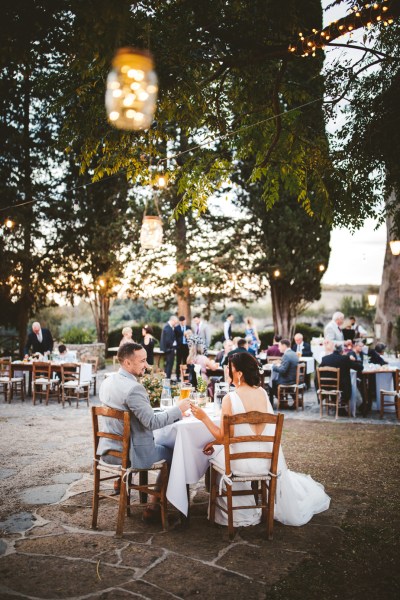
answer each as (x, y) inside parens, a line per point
(90, 349)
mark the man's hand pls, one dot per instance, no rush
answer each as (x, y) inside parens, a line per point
(352, 357)
(208, 449)
(184, 405)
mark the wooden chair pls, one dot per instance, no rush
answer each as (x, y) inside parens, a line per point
(72, 387)
(11, 385)
(124, 473)
(296, 390)
(94, 361)
(43, 386)
(328, 392)
(394, 396)
(185, 376)
(262, 485)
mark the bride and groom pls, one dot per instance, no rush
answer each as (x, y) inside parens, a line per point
(298, 496)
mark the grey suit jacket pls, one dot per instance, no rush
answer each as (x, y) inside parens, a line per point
(204, 332)
(332, 332)
(122, 391)
(288, 368)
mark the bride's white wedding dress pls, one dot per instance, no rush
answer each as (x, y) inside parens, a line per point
(298, 496)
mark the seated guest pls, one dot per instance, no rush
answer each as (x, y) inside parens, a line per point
(300, 346)
(333, 331)
(356, 353)
(197, 357)
(228, 346)
(124, 392)
(39, 340)
(126, 336)
(274, 349)
(242, 346)
(287, 370)
(376, 356)
(335, 358)
(65, 354)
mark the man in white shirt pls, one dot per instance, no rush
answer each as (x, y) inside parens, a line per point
(228, 327)
(333, 331)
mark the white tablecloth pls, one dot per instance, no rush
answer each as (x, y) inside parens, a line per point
(188, 438)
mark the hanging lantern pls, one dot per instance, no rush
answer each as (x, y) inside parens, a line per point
(131, 90)
(151, 234)
(395, 247)
(372, 298)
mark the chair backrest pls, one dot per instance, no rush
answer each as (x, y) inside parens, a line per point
(253, 418)
(397, 381)
(274, 359)
(91, 360)
(70, 372)
(328, 378)
(124, 438)
(192, 375)
(184, 374)
(41, 369)
(301, 373)
(5, 367)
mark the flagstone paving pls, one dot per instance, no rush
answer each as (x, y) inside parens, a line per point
(47, 549)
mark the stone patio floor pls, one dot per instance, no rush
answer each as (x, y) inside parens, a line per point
(49, 551)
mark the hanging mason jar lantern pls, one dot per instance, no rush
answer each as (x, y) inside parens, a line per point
(151, 234)
(395, 247)
(131, 90)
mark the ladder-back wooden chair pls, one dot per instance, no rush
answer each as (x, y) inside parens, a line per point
(94, 361)
(10, 385)
(43, 386)
(72, 388)
(391, 397)
(296, 390)
(263, 485)
(328, 392)
(123, 472)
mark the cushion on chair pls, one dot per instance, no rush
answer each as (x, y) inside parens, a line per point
(42, 380)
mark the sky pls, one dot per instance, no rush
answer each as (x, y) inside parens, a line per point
(355, 259)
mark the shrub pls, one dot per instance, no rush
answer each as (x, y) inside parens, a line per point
(78, 335)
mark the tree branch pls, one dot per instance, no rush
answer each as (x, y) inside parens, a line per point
(277, 113)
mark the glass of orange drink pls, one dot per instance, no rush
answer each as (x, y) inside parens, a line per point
(185, 390)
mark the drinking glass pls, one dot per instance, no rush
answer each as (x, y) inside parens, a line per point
(185, 390)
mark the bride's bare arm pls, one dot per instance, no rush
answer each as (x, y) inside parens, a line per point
(217, 432)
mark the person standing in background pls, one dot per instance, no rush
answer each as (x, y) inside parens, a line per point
(40, 340)
(148, 343)
(250, 333)
(228, 327)
(202, 329)
(126, 336)
(182, 346)
(168, 344)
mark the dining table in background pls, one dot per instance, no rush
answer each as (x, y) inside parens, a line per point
(27, 367)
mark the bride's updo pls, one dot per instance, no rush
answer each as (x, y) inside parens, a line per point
(247, 364)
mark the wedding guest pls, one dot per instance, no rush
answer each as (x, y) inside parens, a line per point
(376, 355)
(228, 346)
(300, 346)
(196, 357)
(357, 351)
(126, 336)
(242, 346)
(274, 349)
(194, 339)
(202, 329)
(124, 392)
(333, 330)
(335, 358)
(359, 329)
(39, 340)
(228, 327)
(251, 335)
(168, 344)
(287, 370)
(182, 346)
(148, 343)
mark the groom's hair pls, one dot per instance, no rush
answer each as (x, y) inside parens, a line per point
(127, 350)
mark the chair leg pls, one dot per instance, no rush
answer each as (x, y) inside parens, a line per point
(264, 501)
(163, 497)
(96, 489)
(213, 493)
(229, 502)
(47, 394)
(381, 408)
(270, 510)
(121, 511)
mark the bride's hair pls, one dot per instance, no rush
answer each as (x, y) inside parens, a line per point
(247, 364)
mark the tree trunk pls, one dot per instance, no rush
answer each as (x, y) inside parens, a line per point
(183, 290)
(100, 306)
(387, 317)
(284, 319)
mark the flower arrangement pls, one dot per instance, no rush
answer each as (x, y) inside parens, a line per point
(201, 385)
(153, 385)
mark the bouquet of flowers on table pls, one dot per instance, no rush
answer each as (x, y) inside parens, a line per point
(153, 384)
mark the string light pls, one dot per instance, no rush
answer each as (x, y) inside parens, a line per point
(9, 223)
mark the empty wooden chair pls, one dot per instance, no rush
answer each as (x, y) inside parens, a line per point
(296, 390)
(328, 392)
(10, 385)
(94, 361)
(43, 386)
(72, 388)
(391, 397)
(123, 473)
(263, 485)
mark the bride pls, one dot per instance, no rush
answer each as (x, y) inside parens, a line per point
(298, 496)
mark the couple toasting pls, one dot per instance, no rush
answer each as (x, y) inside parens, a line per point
(299, 497)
